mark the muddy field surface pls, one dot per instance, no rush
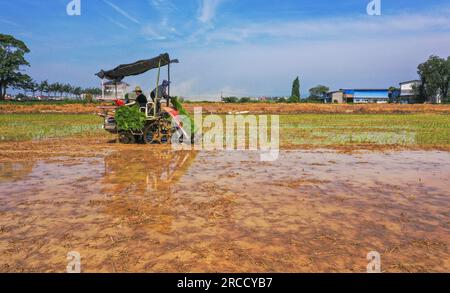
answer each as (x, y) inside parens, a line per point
(254, 108)
(301, 108)
(150, 209)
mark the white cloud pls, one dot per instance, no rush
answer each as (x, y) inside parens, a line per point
(207, 10)
(151, 34)
(183, 87)
(269, 69)
(163, 5)
(262, 58)
(337, 28)
(161, 27)
(121, 11)
(117, 23)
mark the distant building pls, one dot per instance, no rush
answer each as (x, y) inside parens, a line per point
(112, 90)
(366, 96)
(407, 93)
(267, 99)
(359, 96)
(336, 97)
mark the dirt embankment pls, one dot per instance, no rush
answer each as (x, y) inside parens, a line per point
(254, 108)
(221, 108)
(49, 108)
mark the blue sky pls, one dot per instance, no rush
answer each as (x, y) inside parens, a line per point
(238, 47)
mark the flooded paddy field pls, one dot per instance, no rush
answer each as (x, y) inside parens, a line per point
(150, 209)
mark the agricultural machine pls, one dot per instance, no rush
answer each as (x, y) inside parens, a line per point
(162, 120)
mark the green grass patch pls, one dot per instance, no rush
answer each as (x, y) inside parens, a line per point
(19, 127)
(378, 129)
(319, 130)
(50, 102)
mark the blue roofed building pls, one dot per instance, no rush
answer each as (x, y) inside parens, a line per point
(360, 96)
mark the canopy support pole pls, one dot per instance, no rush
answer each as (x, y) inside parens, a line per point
(157, 85)
(103, 89)
(115, 88)
(168, 89)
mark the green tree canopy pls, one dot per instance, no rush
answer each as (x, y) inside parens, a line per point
(93, 91)
(435, 77)
(245, 100)
(295, 95)
(43, 87)
(230, 99)
(12, 57)
(318, 92)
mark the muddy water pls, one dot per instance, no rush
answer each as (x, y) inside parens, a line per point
(164, 211)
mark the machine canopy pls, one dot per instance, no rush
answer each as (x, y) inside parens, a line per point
(136, 68)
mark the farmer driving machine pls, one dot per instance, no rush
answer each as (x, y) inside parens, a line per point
(157, 121)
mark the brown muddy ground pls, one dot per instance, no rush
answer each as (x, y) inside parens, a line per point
(149, 209)
(254, 108)
(299, 108)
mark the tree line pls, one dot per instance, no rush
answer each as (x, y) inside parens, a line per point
(434, 80)
(316, 94)
(433, 85)
(52, 90)
(12, 61)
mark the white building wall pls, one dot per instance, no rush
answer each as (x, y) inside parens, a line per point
(407, 89)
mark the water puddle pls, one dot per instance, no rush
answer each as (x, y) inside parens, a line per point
(161, 211)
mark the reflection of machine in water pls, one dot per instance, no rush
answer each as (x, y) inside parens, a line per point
(139, 184)
(142, 172)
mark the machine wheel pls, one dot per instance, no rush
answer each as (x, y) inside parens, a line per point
(159, 132)
(127, 138)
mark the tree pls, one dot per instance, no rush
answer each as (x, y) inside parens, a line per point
(27, 84)
(67, 89)
(53, 88)
(33, 87)
(12, 57)
(77, 91)
(435, 79)
(393, 93)
(245, 100)
(318, 92)
(59, 89)
(23, 82)
(92, 92)
(230, 99)
(392, 89)
(43, 87)
(295, 95)
(446, 88)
